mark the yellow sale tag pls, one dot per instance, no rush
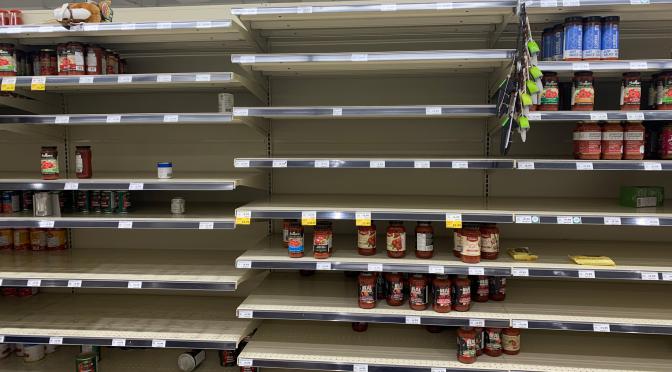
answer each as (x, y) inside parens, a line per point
(38, 83)
(362, 218)
(453, 221)
(309, 218)
(8, 84)
(243, 217)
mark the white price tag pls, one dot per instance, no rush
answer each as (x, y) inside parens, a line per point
(113, 119)
(548, 3)
(421, 164)
(242, 362)
(240, 112)
(434, 369)
(601, 327)
(61, 119)
(206, 24)
(304, 10)
(163, 78)
(653, 166)
(639, 65)
(203, 225)
(648, 221)
(647, 275)
(243, 264)
(243, 217)
(525, 165)
(359, 57)
(460, 164)
(519, 323)
(323, 266)
(247, 59)
(125, 225)
(46, 224)
(534, 116)
(71, 186)
(86, 79)
(91, 27)
(119, 342)
(134, 284)
(121, 79)
(55, 340)
(571, 3)
(362, 218)
(412, 320)
(612, 220)
(527, 219)
(476, 323)
(580, 66)
(2, 339)
(568, 220)
(666, 276)
(337, 111)
(136, 186)
(240, 163)
(74, 283)
(584, 165)
(171, 118)
(8, 83)
(434, 269)
(360, 368)
(377, 164)
(433, 110)
(38, 83)
(587, 274)
(374, 267)
(476, 271)
(34, 282)
(280, 163)
(321, 163)
(202, 77)
(128, 26)
(636, 116)
(1, 286)
(164, 25)
(453, 220)
(309, 218)
(598, 116)
(519, 271)
(444, 6)
(159, 343)
(640, 2)
(388, 7)
(245, 314)
(46, 29)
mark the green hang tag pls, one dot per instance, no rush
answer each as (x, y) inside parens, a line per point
(523, 122)
(526, 99)
(536, 72)
(531, 87)
(533, 47)
(505, 120)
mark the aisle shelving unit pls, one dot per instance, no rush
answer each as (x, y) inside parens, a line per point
(345, 112)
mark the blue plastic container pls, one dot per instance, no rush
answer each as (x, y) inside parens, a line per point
(592, 38)
(573, 39)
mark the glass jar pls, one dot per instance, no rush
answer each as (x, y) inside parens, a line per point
(366, 240)
(424, 240)
(111, 62)
(442, 299)
(8, 62)
(489, 241)
(652, 96)
(360, 326)
(83, 167)
(418, 292)
(295, 240)
(57, 239)
(49, 163)
(592, 38)
(461, 293)
(665, 147)
(76, 54)
(550, 93)
(573, 39)
(48, 64)
(497, 288)
(610, 37)
(367, 290)
(583, 92)
(285, 231)
(493, 342)
(323, 240)
(612, 141)
(480, 288)
(94, 60)
(587, 141)
(471, 245)
(511, 341)
(396, 239)
(480, 344)
(394, 295)
(631, 91)
(457, 243)
(665, 91)
(466, 345)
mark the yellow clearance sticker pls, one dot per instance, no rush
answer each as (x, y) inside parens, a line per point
(362, 218)
(243, 217)
(38, 83)
(453, 221)
(8, 84)
(309, 218)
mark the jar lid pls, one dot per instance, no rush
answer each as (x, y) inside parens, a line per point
(573, 19)
(593, 19)
(186, 362)
(548, 29)
(166, 164)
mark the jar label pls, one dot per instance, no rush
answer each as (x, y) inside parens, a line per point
(609, 44)
(634, 136)
(322, 242)
(471, 246)
(666, 94)
(558, 41)
(631, 93)
(573, 41)
(396, 242)
(424, 242)
(592, 36)
(442, 296)
(587, 136)
(366, 239)
(583, 94)
(510, 342)
(462, 295)
(612, 136)
(466, 347)
(418, 295)
(367, 294)
(490, 243)
(395, 291)
(49, 166)
(7, 61)
(457, 241)
(493, 340)
(550, 95)
(79, 164)
(295, 243)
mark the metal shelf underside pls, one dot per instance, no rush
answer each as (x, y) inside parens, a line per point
(345, 112)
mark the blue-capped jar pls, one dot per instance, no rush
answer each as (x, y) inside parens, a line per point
(610, 36)
(164, 170)
(547, 48)
(573, 39)
(558, 38)
(592, 38)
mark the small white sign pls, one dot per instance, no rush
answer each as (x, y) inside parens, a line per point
(534, 116)
(435, 269)
(206, 225)
(2, 339)
(639, 65)
(245, 314)
(122, 79)
(125, 225)
(34, 282)
(527, 219)
(321, 164)
(243, 362)
(323, 266)
(476, 322)
(304, 9)
(635, 116)
(46, 224)
(337, 111)
(377, 164)
(62, 119)
(647, 275)
(360, 368)
(584, 165)
(363, 215)
(74, 283)
(571, 3)
(171, 118)
(580, 66)
(520, 271)
(113, 119)
(598, 116)
(38, 80)
(421, 164)
(569, 220)
(525, 165)
(359, 57)
(240, 112)
(119, 342)
(612, 220)
(136, 186)
(128, 26)
(202, 77)
(241, 163)
(159, 343)
(244, 214)
(91, 27)
(601, 327)
(280, 163)
(164, 25)
(648, 221)
(86, 79)
(205, 24)
(519, 323)
(388, 7)
(164, 78)
(434, 369)
(587, 274)
(460, 165)
(412, 319)
(55, 340)
(666, 276)
(476, 270)
(71, 186)
(374, 267)
(134, 284)
(548, 3)
(653, 166)
(433, 110)
(243, 264)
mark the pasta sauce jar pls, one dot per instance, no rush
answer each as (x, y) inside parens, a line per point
(665, 148)
(8, 63)
(480, 288)
(587, 141)
(466, 345)
(367, 290)
(322, 240)
(550, 94)
(49, 163)
(366, 240)
(457, 243)
(493, 342)
(394, 295)
(424, 240)
(461, 294)
(631, 91)
(47, 62)
(442, 299)
(83, 162)
(489, 241)
(396, 239)
(664, 88)
(471, 245)
(511, 341)
(583, 92)
(295, 240)
(285, 231)
(95, 60)
(418, 292)
(612, 141)
(497, 288)
(633, 144)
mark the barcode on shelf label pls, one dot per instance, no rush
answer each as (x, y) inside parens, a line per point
(433, 110)
(202, 77)
(360, 368)
(362, 218)
(601, 327)
(598, 116)
(8, 84)
(308, 218)
(612, 220)
(647, 275)
(412, 319)
(434, 269)
(136, 186)
(321, 164)
(639, 65)
(119, 342)
(171, 118)
(337, 111)
(584, 165)
(280, 163)
(164, 26)
(125, 79)
(163, 78)
(304, 9)
(460, 164)
(421, 164)
(476, 323)
(240, 112)
(525, 165)
(388, 7)
(587, 274)
(638, 116)
(243, 217)
(453, 220)
(434, 369)
(653, 166)
(55, 340)
(241, 163)
(34, 282)
(243, 264)
(548, 3)
(323, 266)
(74, 283)
(374, 267)
(666, 276)
(125, 225)
(243, 362)
(520, 271)
(206, 225)
(568, 220)
(527, 219)
(580, 66)
(113, 119)
(359, 57)
(648, 221)
(519, 323)
(534, 116)
(206, 24)
(61, 119)
(86, 79)
(571, 3)
(38, 83)
(476, 270)
(45, 224)
(159, 343)
(71, 186)
(128, 26)
(444, 6)
(134, 284)
(377, 164)
(245, 314)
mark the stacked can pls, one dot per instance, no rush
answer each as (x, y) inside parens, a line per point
(103, 201)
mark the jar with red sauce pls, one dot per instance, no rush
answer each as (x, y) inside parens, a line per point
(631, 91)
(57, 239)
(8, 61)
(367, 290)
(394, 286)
(583, 92)
(83, 167)
(652, 96)
(633, 143)
(442, 299)
(111, 62)
(665, 148)
(665, 91)
(461, 294)
(497, 288)
(466, 345)
(489, 241)
(15, 17)
(418, 298)
(511, 341)
(323, 240)
(295, 240)
(360, 326)
(480, 288)
(457, 243)
(612, 141)
(4, 17)
(123, 66)
(38, 239)
(587, 141)
(550, 93)
(396, 239)
(285, 231)
(471, 244)
(480, 341)
(48, 64)
(424, 240)
(62, 59)
(366, 240)
(76, 54)
(95, 56)
(493, 341)
(49, 163)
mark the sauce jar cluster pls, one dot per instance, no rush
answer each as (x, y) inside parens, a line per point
(475, 241)
(472, 342)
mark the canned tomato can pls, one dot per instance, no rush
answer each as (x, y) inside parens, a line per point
(83, 201)
(6, 239)
(27, 201)
(86, 362)
(21, 239)
(16, 201)
(6, 202)
(57, 239)
(95, 201)
(107, 200)
(38, 239)
(122, 201)
(177, 206)
(26, 291)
